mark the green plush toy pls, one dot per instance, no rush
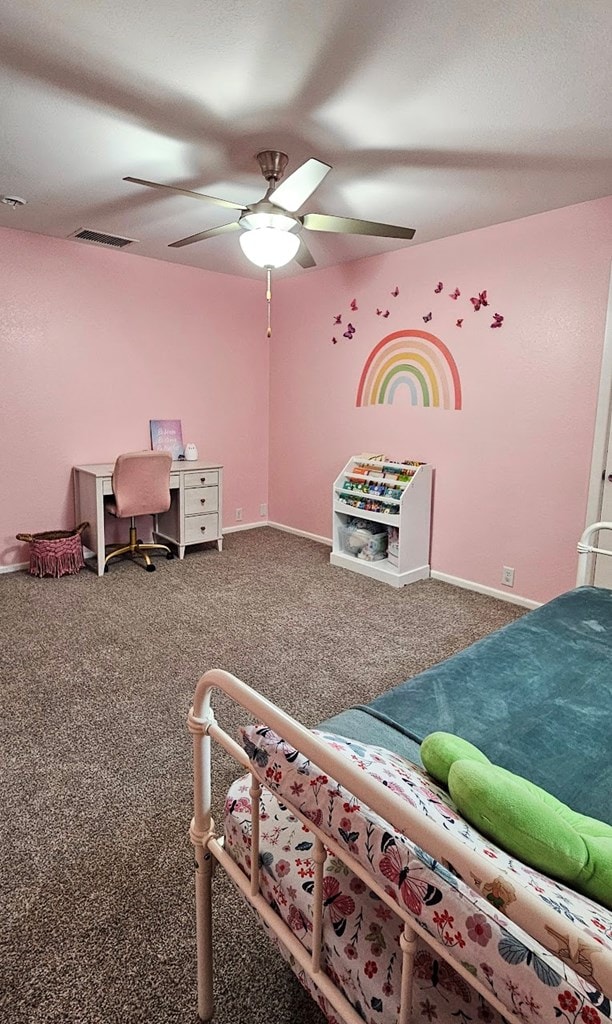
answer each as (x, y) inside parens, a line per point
(522, 818)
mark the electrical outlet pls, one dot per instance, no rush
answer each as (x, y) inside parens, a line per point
(507, 576)
(263, 509)
(238, 513)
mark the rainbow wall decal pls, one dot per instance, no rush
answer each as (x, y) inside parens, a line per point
(417, 360)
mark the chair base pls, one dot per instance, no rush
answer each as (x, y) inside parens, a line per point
(136, 549)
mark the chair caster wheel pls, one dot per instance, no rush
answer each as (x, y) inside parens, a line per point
(150, 568)
(170, 555)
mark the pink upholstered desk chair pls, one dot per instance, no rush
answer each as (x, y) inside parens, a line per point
(141, 486)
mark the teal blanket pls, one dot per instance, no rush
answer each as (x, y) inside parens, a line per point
(535, 696)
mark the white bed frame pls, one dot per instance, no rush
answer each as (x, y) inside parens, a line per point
(209, 847)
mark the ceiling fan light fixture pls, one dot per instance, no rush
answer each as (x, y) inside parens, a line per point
(269, 247)
(252, 221)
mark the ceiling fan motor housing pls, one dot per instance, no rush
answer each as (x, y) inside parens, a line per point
(272, 164)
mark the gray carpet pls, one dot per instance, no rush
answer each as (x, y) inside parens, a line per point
(96, 883)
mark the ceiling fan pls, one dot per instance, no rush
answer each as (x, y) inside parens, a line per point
(271, 238)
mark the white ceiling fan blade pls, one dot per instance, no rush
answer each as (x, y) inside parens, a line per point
(299, 186)
(223, 229)
(304, 256)
(187, 192)
(350, 226)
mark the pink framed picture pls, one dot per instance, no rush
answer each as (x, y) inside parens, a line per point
(167, 436)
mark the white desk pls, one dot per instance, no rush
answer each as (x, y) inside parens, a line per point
(194, 516)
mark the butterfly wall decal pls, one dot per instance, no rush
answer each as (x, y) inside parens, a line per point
(480, 300)
(382, 312)
(455, 294)
(413, 891)
(438, 288)
(349, 332)
(334, 341)
(338, 318)
(354, 305)
(427, 318)
(497, 320)
(460, 322)
(395, 292)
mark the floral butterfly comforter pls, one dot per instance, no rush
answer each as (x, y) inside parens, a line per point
(361, 933)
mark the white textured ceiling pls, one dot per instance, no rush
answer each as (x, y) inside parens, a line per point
(443, 115)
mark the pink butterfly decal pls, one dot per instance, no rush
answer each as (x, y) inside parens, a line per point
(497, 320)
(334, 341)
(438, 288)
(354, 305)
(395, 292)
(480, 301)
(440, 973)
(460, 322)
(338, 319)
(455, 294)
(414, 891)
(349, 332)
(382, 312)
(427, 318)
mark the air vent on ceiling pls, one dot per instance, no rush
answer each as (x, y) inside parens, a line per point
(101, 238)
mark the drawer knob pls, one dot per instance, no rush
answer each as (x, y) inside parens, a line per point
(202, 479)
(203, 529)
(202, 501)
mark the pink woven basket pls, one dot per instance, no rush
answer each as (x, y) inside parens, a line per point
(55, 553)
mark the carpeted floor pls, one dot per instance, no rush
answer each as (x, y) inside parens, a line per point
(96, 884)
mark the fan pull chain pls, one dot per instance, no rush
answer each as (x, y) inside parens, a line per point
(269, 299)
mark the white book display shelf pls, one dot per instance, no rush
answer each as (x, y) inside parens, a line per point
(396, 495)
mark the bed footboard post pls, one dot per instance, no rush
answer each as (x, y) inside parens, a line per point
(408, 945)
(202, 829)
(204, 938)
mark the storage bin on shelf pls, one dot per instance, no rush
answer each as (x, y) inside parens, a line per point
(364, 540)
(388, 497)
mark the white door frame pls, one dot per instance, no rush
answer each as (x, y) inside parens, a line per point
(602, 426)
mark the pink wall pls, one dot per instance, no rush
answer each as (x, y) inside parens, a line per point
(512, 467)
(94, 344)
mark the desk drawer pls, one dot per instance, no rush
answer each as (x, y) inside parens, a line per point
(201, 528)
(201, 477)
(201, 499)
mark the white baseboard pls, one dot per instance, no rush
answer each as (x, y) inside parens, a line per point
(478, 588)
(301, 533)
(244, 526)
(456, 581)
(17, 567)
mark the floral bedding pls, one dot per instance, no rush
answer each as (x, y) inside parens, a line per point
(361, 951)
(469, 903)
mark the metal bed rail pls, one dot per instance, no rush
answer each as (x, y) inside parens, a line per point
(586, 550)
(209, 847)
